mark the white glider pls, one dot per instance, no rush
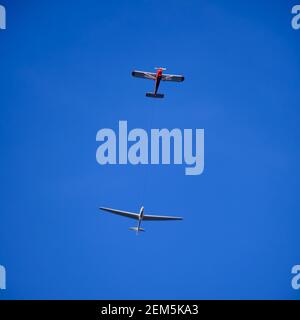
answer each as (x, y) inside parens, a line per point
(140, 217)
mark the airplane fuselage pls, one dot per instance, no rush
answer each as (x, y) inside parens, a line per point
(157, 80)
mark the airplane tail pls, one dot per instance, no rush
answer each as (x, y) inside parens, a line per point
(153, 95)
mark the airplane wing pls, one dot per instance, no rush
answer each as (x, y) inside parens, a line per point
(144, 75)
(172, 77)
(152, 217)
(122, 213)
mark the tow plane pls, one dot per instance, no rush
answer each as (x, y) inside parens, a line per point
(157, 77)
(141, 216)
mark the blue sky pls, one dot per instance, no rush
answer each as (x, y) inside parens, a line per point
(66, 73)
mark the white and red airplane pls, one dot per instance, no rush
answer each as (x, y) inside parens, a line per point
(139, 216)
(157, 77)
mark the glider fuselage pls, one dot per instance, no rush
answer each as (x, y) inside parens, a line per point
(141, 216)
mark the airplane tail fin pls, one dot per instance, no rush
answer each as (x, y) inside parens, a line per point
(153, 95)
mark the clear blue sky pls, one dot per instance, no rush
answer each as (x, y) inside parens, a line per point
(66, 73)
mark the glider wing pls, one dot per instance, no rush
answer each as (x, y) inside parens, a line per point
(153, 217)
(122, 213)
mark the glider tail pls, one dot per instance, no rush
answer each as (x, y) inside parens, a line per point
(137, 229)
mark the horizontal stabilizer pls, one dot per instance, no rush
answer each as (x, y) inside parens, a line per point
(153, 95)
(136, 229)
